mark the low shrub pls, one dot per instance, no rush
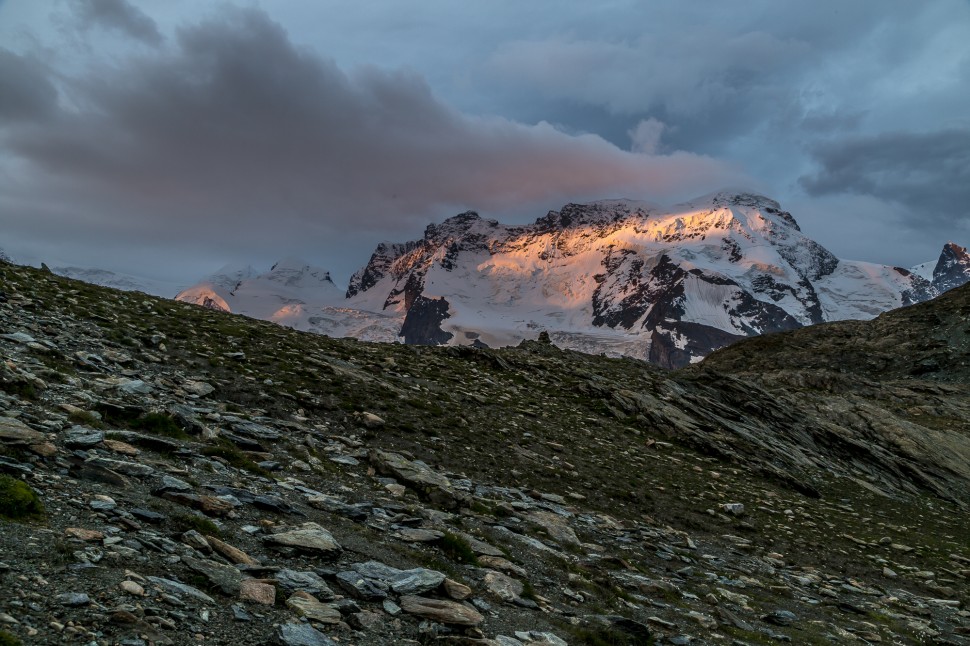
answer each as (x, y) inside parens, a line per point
(6, 639)
(159, 424)
(457, 548)
(18, 501)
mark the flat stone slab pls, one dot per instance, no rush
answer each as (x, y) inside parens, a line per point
(13, 431)
(503, 587)
(413, 581)
(224, 577)
(309, 582)
(19, 337)
(308, 606)
(254, 430)
(481, 547)
(82, 437)
(297, 634)
(360, 587)
(257, 592)
(133, 469)
(180, 589)
(417, 535)
(555, 526)
(310, 537)
(428, 484)
(230, 552)
(440, 610)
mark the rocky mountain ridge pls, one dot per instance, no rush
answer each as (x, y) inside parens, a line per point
(620, 277)
(209, 478)
(629, 278)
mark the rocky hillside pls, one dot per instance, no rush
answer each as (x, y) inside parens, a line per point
(173, 474)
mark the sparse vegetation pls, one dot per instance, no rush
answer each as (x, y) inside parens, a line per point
(18, 501)
(201, 524)
(85, 418)
(457, 548)
(6, 639)
(529, 591)
(606, 637)
(231, 454)
(19, 388)
(158, 424)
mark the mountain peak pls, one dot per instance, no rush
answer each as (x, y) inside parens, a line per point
(296, 272)
(290, 262)
(739, 199)
(955, 250)
(457, 226)
(598, 213)
(744, 198)
(729, 197)
(953, 267)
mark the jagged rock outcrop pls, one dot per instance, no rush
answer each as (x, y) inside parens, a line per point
(952, 269)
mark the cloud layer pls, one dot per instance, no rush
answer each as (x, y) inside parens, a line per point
(237, 129)
(117, 15)
(232, 132)
(928, 173)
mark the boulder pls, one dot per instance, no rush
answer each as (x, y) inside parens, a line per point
(440, 610)
(310, 537)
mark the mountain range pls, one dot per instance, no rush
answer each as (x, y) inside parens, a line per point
(619, 277)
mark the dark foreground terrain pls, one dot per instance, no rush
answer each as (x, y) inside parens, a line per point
(173, 475)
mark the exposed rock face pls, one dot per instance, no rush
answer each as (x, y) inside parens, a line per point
(952, 269)
(422, 325)
(808, 486)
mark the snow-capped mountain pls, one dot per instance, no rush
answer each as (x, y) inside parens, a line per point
(626, 277)
(617, 277)
(105, 278)
(292, 293)
(126, 282)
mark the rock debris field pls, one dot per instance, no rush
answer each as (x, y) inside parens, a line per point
(174, 475)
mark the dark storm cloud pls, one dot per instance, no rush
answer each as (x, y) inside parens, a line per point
(730, 79)
(118, 15)
(711, 83)
(238, 138)
(929, 173)
(25, 93)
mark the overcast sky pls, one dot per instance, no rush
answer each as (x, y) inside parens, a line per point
(169, 138)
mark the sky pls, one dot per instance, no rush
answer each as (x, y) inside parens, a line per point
(166, 139)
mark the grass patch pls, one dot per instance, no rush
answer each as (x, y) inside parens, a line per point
(528, 591)
(429, 407)
(85, 418)
(607, 637)
(231, 454)
(457, 549)
(21, 389)
(6, 639)
(18, 501)
(159, 424)
(481, 508)
(201, 524)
